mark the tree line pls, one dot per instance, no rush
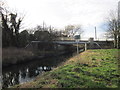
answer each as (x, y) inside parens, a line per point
(11, 35)
(113, 30)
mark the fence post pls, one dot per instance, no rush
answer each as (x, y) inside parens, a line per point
(85, 46)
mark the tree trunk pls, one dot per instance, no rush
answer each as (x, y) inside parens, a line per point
(118, 41)
(115, 41)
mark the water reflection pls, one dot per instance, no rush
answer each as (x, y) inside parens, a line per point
(22, 73)
(27, 74)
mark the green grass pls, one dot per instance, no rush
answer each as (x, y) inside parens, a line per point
(91, 69)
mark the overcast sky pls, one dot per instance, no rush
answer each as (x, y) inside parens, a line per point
(59, 13)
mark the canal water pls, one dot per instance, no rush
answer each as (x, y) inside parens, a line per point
(21, 73)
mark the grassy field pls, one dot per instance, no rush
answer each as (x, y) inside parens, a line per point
(90, 69)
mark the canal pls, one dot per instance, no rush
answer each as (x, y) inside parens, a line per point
(21, 73)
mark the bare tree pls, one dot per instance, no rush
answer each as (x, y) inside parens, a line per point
(69, 28)
(73, 29)
(10, 27)
(113, 29)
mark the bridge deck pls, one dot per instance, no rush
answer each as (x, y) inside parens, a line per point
(72, 42)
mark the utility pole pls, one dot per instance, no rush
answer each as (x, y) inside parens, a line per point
(85, 46)
(77, 47)
(95, 34)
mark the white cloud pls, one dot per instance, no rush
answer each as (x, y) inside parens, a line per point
(59, 13)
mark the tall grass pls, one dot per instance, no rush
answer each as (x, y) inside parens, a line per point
(14, 55)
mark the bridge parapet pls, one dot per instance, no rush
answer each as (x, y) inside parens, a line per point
(83, 43)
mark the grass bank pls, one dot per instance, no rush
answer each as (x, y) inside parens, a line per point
(90, 69)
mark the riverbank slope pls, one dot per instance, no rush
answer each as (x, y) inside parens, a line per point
(11, 56)
(90, 69)
(14, 56)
